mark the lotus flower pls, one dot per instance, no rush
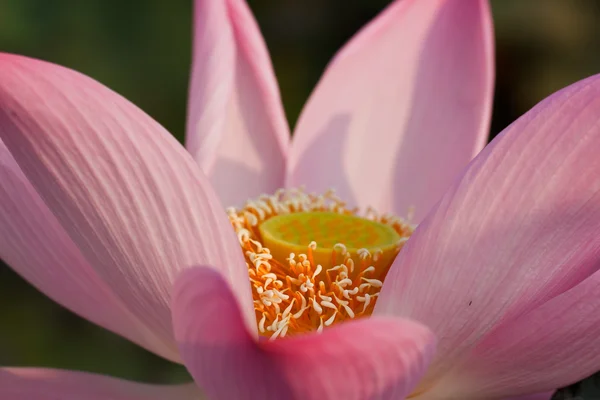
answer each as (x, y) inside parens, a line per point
(493, 296)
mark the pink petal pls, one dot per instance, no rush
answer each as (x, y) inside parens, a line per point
(127, 194)
(35, 245)
(520, 227)
(377, 358)
(47, 384)
(401, 109)
(552, 346)
(237, 130)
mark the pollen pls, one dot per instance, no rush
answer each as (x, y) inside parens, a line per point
(312, 261)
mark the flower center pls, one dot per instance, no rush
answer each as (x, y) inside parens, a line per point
(312, 261)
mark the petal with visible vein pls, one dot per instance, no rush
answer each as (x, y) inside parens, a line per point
(36, 246)
(519, 228)
(554, 345)
(237, 131)
(402, 109)
(128, 195)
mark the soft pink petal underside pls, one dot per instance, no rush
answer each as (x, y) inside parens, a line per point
(552, 346)
(35, 245)
(378, 358)
(519, 228)
(401, 109)
(237, 130)
(47, 384)
(127, 194)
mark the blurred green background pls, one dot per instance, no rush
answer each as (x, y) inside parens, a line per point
(142, 50)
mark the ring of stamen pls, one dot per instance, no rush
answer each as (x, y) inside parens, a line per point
(300, 287)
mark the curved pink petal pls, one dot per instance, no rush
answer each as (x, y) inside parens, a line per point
(237, 131)
(35, 245)
(552, 346)
(48, 384)
(378, 358)
(520, 227)
(401, 109)
(127, 194)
